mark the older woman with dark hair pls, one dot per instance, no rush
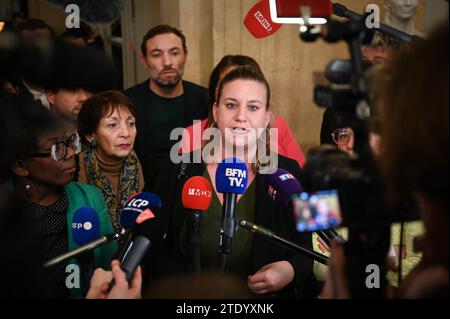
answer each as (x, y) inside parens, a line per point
(107, 121)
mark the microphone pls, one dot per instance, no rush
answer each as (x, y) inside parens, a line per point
(258, 21)
(136, 210)
(82, 249)
(140, 247)
(137, 248)
(96, 12)
(284, 188)
(328, 235)
(196, 196)
(284, 242)
(342, 11)
(85, 229)
(231, 179)
(340, 71)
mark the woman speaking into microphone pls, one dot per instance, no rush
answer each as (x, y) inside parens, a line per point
(238, 128)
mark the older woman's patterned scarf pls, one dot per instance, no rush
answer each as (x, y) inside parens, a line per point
(128, 183)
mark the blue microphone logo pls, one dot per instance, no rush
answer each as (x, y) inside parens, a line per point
(231, 176)
(85, 225)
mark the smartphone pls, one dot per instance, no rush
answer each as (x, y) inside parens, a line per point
(317, 211)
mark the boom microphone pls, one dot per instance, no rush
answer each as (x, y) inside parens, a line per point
(196, 196)
(282, 241)
(82, 249)
(342, 11)
(231, 180)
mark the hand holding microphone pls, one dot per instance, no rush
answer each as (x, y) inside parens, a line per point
(121, 290)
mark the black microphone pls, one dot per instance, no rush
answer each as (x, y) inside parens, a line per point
(134, 257)
(137, 209)
(284, 242)
(82, 249)
(231, 180)
(342, 11)
(328, 235)
(139, 248)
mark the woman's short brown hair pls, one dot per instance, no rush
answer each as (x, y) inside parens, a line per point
(99, 106)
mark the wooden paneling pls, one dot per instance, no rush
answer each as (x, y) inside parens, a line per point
(214, 28)
(288, 63)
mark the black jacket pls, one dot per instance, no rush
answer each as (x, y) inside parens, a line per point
(196, 108)
(167, 259)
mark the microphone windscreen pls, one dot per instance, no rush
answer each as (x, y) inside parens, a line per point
(85, 225)
(282, 185)
(231, 176)
(136, 205)
(197, 193)
(94, 11)
(339, 71)
(258, 21)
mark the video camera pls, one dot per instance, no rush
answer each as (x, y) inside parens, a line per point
(358, 182)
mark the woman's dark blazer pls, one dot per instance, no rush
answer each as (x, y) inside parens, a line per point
(166, 258)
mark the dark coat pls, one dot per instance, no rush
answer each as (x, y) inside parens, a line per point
(196, 108)
(167, 259)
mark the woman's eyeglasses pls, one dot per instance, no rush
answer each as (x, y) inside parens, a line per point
(58, 151)
(341, 136)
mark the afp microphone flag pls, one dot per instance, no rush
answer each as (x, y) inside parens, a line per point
(85, 225)
(258, 21)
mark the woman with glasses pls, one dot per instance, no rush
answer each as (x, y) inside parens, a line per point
(344, 138)
(42, 175)
(107, 121)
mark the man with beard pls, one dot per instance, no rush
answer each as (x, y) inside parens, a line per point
(164, 101)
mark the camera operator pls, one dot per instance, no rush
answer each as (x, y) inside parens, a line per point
(413, 110)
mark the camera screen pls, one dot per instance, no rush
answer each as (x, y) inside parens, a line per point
(317, 211)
